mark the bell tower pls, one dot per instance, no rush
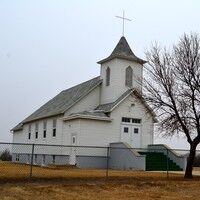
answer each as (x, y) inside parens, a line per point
(120, 71)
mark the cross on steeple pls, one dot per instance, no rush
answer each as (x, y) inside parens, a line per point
(123, 18)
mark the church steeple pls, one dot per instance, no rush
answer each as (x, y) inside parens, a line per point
(120, 71)
(123, 51)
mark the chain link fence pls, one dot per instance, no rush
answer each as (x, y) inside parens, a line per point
(25, 161)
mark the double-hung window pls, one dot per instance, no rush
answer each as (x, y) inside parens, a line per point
(54, 128)
(44, 129)
(36, 130)
(29, 131)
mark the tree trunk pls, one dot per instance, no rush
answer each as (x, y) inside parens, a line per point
(190, 161)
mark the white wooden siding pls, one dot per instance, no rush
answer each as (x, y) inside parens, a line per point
(100, 133)
(117, 79)
(22, 136)
(90, 132)
(89, 102)
(137, 111)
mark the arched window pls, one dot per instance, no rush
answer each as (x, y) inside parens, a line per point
(129, 77)
(108, 76)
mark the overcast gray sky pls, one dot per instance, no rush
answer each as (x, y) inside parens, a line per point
(49, 45)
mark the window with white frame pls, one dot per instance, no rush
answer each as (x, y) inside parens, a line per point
(29, 131)
(17, 158)
(28, 158)
(43, 159)
(73, 139)
(108, 76)
(125, 129)
(36, 130)
(44, 129)
(136, 130)
(54, 128)
(129, 77)
(35, 158)
(53, 159)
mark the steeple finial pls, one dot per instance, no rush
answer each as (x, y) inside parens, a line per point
(123, 19)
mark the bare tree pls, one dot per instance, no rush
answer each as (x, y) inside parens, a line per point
(172, 88)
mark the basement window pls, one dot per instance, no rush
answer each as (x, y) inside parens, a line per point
(17, 158)
(28, 158)
(43, 159)
(54, 159)
(35, 158)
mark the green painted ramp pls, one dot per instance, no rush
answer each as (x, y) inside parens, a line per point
(156, 161)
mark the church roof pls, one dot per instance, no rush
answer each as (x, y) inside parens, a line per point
(62, 102)
(123, 51)
(108, 107)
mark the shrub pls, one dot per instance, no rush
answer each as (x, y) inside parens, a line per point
(6, 155)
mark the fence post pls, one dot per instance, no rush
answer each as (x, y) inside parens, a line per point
(107, 164)
(31, 166)
(167, 164)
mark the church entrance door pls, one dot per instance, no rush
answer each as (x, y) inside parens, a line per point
(135, 136)
(131, 134)
(72, 158)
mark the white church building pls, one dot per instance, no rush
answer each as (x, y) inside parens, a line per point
(106, 111)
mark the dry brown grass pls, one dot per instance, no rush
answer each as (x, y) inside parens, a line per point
(63, 184)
